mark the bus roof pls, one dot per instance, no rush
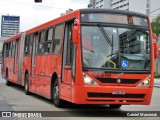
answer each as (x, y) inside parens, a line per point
(13, 37)
(113, 12)
(73, 14)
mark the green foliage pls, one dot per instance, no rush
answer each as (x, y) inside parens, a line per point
(157, 76)
(156, 26)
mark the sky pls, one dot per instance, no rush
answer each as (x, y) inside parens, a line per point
(33, 14)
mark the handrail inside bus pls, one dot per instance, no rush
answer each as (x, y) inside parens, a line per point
(103, 55)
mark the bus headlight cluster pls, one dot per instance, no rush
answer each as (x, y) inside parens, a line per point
(145, 82)
(88, 80)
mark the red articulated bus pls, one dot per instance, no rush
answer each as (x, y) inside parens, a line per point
(88, 56)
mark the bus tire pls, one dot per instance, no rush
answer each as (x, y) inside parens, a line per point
(56, 100)
(8, 83)
(115, 106)
(26, 85)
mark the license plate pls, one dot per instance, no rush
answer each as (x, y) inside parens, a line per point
(118, 92)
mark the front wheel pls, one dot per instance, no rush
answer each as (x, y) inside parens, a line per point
(56, 100)
(26, 85)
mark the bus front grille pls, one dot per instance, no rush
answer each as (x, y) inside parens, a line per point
(114, 81)
(110, 95)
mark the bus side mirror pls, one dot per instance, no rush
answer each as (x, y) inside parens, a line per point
(75, 32)
(155, 43)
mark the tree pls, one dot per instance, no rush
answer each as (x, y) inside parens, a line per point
(156, 30)
(156, 26)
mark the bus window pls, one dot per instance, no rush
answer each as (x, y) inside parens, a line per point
(48, 40)
(10, 50)
(15, 55)
(57, 41)
(13, 48)
(36, 36)
(27, 46)
(7, 49)
(6, 46)
(2, 52)
(69, 44)
(41, 42)
(3, 56)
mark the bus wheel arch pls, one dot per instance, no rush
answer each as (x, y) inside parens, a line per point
(26, 83)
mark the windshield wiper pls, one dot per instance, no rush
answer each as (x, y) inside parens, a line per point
(110, 42)
(105, 35)
(89, 50)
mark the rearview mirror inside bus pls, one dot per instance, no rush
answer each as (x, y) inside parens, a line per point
(75, 31)
(155, 42)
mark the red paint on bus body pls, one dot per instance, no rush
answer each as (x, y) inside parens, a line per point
(74, 90)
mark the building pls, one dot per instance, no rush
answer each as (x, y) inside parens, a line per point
(142, 6)
(120, 4)
(10, 25)
(99, 4)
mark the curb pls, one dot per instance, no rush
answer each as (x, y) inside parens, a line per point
(157, 86)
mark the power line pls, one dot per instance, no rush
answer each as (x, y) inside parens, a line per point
(32, 4)
(154, 10)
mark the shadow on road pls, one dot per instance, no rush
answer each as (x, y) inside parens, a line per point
(68, 106)
(73, 110)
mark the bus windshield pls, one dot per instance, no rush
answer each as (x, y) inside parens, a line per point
(115, 48)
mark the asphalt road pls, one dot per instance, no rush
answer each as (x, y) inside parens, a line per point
(13, 98)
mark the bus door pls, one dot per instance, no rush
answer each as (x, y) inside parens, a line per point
(67, 62)
(15, 64)
(33, 63)
(21, 59)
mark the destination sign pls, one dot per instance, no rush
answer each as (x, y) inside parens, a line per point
(114, 18)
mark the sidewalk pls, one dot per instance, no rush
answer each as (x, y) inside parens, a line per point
(157, 82)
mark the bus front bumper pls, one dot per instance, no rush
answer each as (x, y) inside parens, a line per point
(111, 95)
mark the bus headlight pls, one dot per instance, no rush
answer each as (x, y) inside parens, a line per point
(88, 80)
(145, 82)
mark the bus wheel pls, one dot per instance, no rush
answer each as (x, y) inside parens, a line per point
(26, 85)
(8, 83)
(57, 101)
(115, 106)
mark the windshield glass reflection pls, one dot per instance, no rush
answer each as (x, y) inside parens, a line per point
(115, 48)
